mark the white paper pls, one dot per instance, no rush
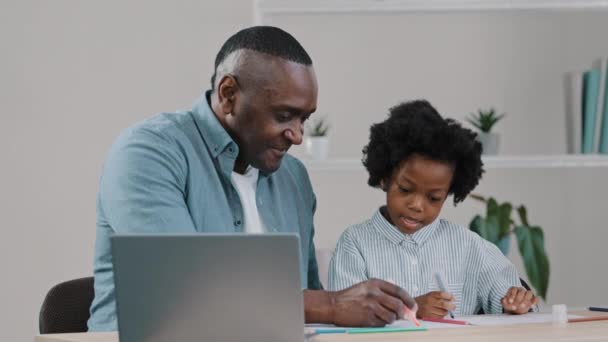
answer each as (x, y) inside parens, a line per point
(506, 319)
(397, 324)
(475, 320)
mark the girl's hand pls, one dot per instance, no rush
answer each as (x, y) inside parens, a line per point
(434, 304)
(518, 301)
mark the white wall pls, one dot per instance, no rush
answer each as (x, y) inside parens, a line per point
(73, 74)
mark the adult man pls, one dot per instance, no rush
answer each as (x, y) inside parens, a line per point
(223, 167)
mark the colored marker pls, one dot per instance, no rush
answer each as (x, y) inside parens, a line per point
(330, 331)
(383, 330)
(443, 320)
(411, 316)
(408, 313)
(588, 319)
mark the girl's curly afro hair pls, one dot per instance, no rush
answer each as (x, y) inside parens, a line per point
(417, 128)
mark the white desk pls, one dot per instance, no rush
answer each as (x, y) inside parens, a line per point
(546, 332)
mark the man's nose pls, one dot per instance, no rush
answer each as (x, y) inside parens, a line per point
(295, 134)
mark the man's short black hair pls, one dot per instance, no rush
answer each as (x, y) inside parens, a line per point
(265, 39)
(417, 128)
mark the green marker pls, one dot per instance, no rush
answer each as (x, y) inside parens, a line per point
(382, 330)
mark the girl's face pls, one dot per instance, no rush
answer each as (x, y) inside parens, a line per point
(416, 191)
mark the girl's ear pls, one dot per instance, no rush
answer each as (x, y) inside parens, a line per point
(383, 185)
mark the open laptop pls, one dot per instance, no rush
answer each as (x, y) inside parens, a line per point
(208, 287)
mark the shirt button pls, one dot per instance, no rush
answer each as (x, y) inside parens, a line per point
(415, 288)
(414, 262)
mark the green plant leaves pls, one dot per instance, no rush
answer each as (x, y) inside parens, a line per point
(487, 228)
(318, 127)
(496, 228)
(531, 243)
(523, 215)
(484, 120)
(502, 213)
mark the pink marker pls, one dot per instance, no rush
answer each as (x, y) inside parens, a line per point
(411, 316)
(407, 312)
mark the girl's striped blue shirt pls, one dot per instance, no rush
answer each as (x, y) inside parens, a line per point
(477, 273)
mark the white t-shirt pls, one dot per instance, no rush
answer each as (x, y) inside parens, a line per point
(245, 186)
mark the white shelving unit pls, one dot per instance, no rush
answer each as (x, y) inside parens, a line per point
(490, 162)
(261, 8)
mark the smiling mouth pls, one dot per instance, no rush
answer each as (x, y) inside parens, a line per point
(280, 151)
(410, 223)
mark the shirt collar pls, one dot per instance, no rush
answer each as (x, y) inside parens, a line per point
(211, 129)
(397, 237)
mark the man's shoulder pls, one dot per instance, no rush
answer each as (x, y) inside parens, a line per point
(163, 126)
(362, 231)
(162, 132)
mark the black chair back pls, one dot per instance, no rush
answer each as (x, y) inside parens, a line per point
(65, 308)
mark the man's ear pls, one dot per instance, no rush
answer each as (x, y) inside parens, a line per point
(227, 90)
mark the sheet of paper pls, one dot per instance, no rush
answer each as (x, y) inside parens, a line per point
(506, 319)
(475, 320)
(397, 324)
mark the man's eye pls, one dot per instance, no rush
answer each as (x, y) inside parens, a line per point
(434, 199)
(283, 117)
(404, 190)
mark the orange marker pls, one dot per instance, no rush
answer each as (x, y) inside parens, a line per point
(411, 316)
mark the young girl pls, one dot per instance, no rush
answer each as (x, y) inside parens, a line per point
(418, 158)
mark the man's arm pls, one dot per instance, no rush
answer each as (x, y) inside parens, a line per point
(142, 186)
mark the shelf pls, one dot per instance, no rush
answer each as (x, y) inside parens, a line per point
(490, 162)
(265, 7)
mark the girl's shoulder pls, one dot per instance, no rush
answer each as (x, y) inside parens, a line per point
(459, 231)
(359, 230)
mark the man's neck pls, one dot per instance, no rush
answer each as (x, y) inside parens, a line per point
(240, 166)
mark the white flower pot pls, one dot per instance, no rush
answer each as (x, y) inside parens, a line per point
(489, 142)
(317, 147)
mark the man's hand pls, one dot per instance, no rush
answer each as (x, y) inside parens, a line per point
(435, 304)
(518, 300)
(372, 303)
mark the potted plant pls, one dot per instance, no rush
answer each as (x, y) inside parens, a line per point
(317, 142)
(497, 227)
(484, 120)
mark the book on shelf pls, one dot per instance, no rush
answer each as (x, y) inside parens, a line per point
(603, 116)
(591, 85)
(599, 64)
(573, 91)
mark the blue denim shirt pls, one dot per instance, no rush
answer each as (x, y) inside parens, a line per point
(171, 173)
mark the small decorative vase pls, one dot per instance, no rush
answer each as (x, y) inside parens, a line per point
(317, 147)
(489, 142)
